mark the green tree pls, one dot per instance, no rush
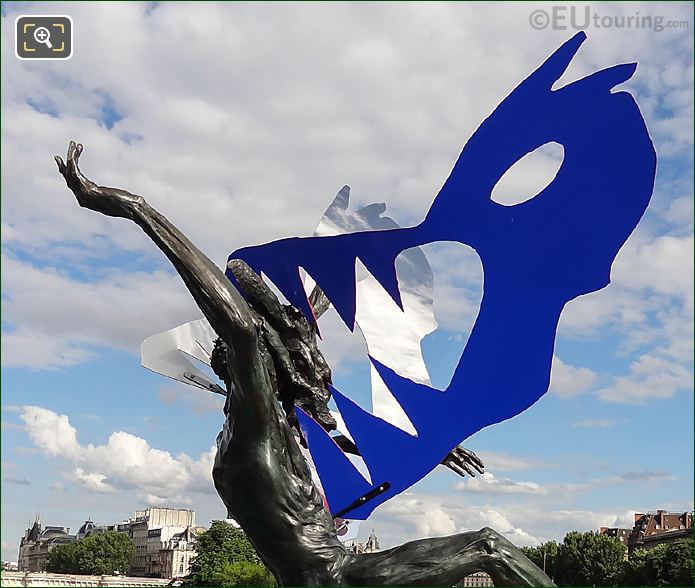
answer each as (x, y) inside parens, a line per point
(100, 554)
(664, 565)
(590, 559)
(545, 556)
(225, 557)
(677, 564)
(635, 570)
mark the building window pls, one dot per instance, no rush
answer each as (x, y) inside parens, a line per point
(180, 568)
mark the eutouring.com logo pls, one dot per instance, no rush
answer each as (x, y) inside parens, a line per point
(579, 18)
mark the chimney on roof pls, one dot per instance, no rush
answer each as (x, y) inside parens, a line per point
(638, 516)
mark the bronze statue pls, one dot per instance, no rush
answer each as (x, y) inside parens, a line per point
(268, 358)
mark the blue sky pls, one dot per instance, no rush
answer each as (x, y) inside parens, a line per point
(240, 123)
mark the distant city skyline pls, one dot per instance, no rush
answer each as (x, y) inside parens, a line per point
(163, 538)
(240, 122)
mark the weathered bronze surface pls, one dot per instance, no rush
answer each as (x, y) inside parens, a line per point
(268, 358)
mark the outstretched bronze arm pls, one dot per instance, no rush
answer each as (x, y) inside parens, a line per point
(259, 470)
(221, 304)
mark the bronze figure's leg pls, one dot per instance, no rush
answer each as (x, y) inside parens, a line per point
(444, 561)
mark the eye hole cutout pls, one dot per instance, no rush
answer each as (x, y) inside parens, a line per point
(529, 176)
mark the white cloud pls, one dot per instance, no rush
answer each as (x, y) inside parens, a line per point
(11, 426)
(649, 377)
(490, 484)
(154, 500)
(505, 462)
(339, 346)
(422, 517)
(567, 380)
(594, 423)
(27, 348)
(647, 476)
(680, 212)
(664, 265)
(458, 285)
(256, 150)
(649, 300)
(51, 432)
(201, 401)
(119, 310)
(254, 147)
(626, 520)
(613, 308)
(125, 461)
(12, 408)
(9, 547)
(92, 481)
(650, 305)
(410, 516)
(529, 176)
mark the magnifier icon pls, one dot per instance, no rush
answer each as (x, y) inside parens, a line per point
(42, 35)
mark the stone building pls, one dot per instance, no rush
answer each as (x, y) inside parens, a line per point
(164, 540)
(42, 579)
(37, 543)
(371, 545)
(477, 579)
(154, 531)
(90, 528)
(171, 558)
(655, 528)
(621, 535)
(138, 533)
(87, 528)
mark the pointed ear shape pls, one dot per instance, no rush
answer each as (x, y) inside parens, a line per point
(342, 199)
(603, 80)
(552, 68)
(556, 65)
(540, 82)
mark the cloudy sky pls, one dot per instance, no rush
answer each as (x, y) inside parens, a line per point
(240, 122)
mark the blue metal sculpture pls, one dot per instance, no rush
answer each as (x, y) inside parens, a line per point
(536, 256)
